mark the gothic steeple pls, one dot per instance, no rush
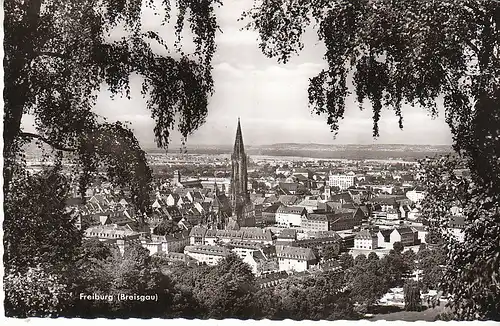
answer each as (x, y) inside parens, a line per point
(239, 178)
(239, 149)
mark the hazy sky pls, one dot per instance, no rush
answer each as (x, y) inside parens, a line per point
(270, 98)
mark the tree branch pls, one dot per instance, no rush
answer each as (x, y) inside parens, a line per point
(46, 141)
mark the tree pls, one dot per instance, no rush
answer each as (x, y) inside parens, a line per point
(38, 230)
(346, 260)
(166, 227)
(471, 267)
(331, 252)
(414, 52)
(398, 52)
(366, 282)
(413, 300)
(227, 290)
(317, 297)
(398, 247)
(57, 56)
(409, 258)
(35, 292)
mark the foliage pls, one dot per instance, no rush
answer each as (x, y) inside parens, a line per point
(57, 56)
(34, 292)
(472, 268)
(346, 261)
(431, 262)
(394, 268)
(166, 227)
(398, 52)
(110, 273)
(319, 296)
(38, 230)
(398, 247)
(412, 296)
(331, 252)
(228, 289)
(366, 281)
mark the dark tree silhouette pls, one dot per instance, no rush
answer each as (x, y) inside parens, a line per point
(59, 53)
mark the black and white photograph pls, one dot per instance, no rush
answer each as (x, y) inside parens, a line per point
(258, 160)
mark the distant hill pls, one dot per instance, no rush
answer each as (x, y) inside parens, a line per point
(350, 151)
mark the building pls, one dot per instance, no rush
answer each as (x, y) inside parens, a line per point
(203, 236)
(346, 220)
(210, 255)
(341, 180)
(286, 237)
(260, 263)
(406, 235)
(295, 259)
(366, 239)
(171, 242)
(290, 216)
(317, 222)
(384, 238)
(110, 232)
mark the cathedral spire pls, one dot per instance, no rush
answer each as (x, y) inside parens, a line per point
(239, 150)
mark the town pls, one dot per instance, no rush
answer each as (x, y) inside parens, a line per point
(281, 216)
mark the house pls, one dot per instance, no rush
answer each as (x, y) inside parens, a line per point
(295, 259)
(257, 235)
(309, 204)
(172, 258)
(406, 235)
(414, 214)
(317, 221)
(288, 188)
(286, 236)
(172, 242)
(210, 255)
(243, 248)
(288, 200)
(260, 263)
(288, 216)
(366, 239)
(392, 214)
(404, 211)
(456, 227)
(110, 232)
(384, 238)
(346, 220)
(211, 237)
(197, 235)
(321, 243)
(173, 199)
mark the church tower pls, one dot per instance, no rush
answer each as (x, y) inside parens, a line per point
(239, 178)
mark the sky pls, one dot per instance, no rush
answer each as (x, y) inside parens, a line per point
(269, 98)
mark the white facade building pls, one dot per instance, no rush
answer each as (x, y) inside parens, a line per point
(295, 259)
(341, 180)
(287, 216)
(366, 240)
(210, 255)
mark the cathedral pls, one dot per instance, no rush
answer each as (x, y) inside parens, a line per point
(242, 210)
